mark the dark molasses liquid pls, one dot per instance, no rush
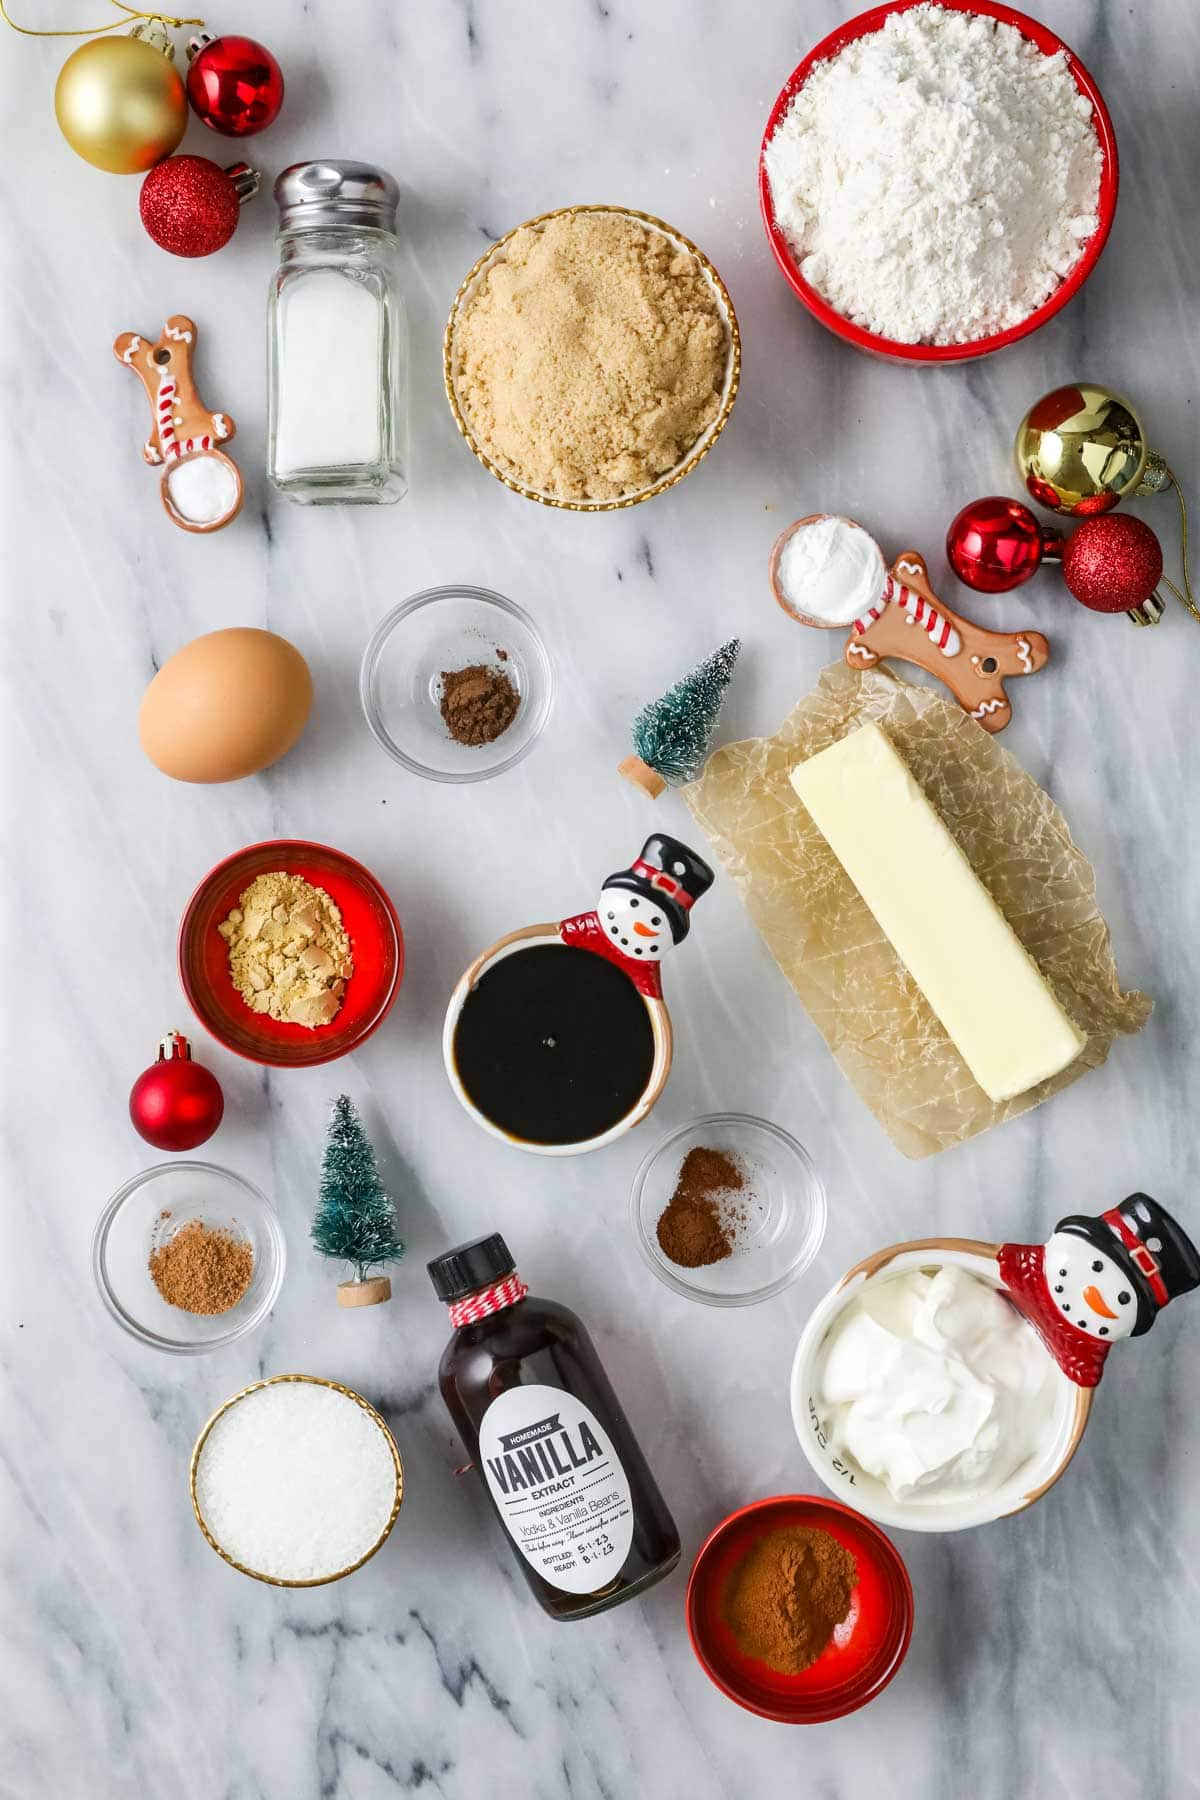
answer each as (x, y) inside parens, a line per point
(562, 1467)
(554, 1044)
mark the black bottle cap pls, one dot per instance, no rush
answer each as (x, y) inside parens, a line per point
(468, 1267)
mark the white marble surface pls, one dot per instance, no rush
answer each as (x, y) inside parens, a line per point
(1056, 1655)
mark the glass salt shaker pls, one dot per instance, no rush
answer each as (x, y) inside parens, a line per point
(337, 339)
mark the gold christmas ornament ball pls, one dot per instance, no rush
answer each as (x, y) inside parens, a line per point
(120, 104)
(1081, 449)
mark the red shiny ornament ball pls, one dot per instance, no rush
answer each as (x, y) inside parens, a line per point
(1112, 564)
(995, 544)
(235, 85)
(175, 1104)
(189, 206)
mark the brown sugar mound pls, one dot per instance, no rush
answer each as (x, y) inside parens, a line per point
(787, 1596)
(591, 357)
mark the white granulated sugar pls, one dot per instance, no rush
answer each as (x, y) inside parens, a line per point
(296, 1481)
(937, 179)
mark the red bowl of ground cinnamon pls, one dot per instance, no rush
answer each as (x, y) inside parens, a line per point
(799, 1609)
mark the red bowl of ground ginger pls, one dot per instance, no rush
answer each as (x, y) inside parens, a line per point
(864, 1650)
(376, 947)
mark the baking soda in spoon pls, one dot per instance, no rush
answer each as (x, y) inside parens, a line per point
(832, 570)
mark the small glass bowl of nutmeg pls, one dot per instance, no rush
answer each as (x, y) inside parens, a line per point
(188, 1257)
(457, 684)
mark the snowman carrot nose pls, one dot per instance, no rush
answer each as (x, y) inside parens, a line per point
(644, 930)
(1095, 1300)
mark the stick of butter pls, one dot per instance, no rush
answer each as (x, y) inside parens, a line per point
(939, 918)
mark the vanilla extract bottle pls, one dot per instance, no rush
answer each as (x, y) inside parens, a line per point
(545, 1430)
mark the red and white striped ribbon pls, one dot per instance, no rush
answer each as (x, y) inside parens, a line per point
(488, 1300)
(919, 611)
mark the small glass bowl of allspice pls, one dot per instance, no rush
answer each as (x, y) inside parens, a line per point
(456, 683)
(592, 358)
(188, 1257)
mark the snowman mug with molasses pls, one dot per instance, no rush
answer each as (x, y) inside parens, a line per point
(557, 1038)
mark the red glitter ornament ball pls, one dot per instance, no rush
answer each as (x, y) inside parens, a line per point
(175, 1104)
(995, 544)
(1113, 563)
(190, 206)
(234, 85)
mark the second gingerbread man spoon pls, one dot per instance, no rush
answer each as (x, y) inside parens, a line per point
(827, 571)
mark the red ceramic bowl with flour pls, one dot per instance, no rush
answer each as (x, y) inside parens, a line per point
(891, 348)
(1063, 1409)
(376, 944)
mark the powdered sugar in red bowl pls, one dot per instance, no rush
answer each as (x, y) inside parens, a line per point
(938, 180)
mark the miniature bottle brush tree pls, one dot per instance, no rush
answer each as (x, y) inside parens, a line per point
(672, 735)
(354, 1220)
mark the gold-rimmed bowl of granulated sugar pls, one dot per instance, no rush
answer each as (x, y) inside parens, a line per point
(695, 453)
(336, 1464)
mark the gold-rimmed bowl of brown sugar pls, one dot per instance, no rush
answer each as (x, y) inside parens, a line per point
(241, 1398)
(695, 454)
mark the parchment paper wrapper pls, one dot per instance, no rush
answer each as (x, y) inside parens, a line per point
(860, 996)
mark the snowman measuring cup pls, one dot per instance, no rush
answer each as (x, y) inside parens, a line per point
(557, 1038)
(895, 612)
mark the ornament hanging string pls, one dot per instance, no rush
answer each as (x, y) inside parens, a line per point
(1184, 595)
(128, 12)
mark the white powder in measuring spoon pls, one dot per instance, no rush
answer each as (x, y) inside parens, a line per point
(937, 179)
(296, 1481)
(831, 570)
(202, 488)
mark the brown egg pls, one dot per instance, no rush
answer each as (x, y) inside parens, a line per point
(226, 705)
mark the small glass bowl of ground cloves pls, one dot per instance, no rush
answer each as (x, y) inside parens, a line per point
(456, 684)
(728, 1210)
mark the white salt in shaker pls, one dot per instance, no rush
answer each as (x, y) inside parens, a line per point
(338, 338)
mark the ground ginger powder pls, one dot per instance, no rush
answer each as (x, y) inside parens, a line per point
(289, 953)
(591, 357)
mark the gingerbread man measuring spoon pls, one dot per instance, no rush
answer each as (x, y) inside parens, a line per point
(201, 487)
(827, 571)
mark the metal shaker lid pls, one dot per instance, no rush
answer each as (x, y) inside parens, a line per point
(311, 195)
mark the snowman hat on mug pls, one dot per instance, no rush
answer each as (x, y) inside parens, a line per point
(1156, 1254)
(669, 876)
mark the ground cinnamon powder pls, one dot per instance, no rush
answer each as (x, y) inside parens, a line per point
(698, 1223)
(478, 703)
(787, 1595)
(201, 1269)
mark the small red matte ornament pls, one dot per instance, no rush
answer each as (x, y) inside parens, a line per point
(1112, 563)
(190, 205)
(234, 84)
(175, 1104)
(996, 544)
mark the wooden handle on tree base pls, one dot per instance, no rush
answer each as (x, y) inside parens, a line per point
(642, 776)
(365, 1293)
